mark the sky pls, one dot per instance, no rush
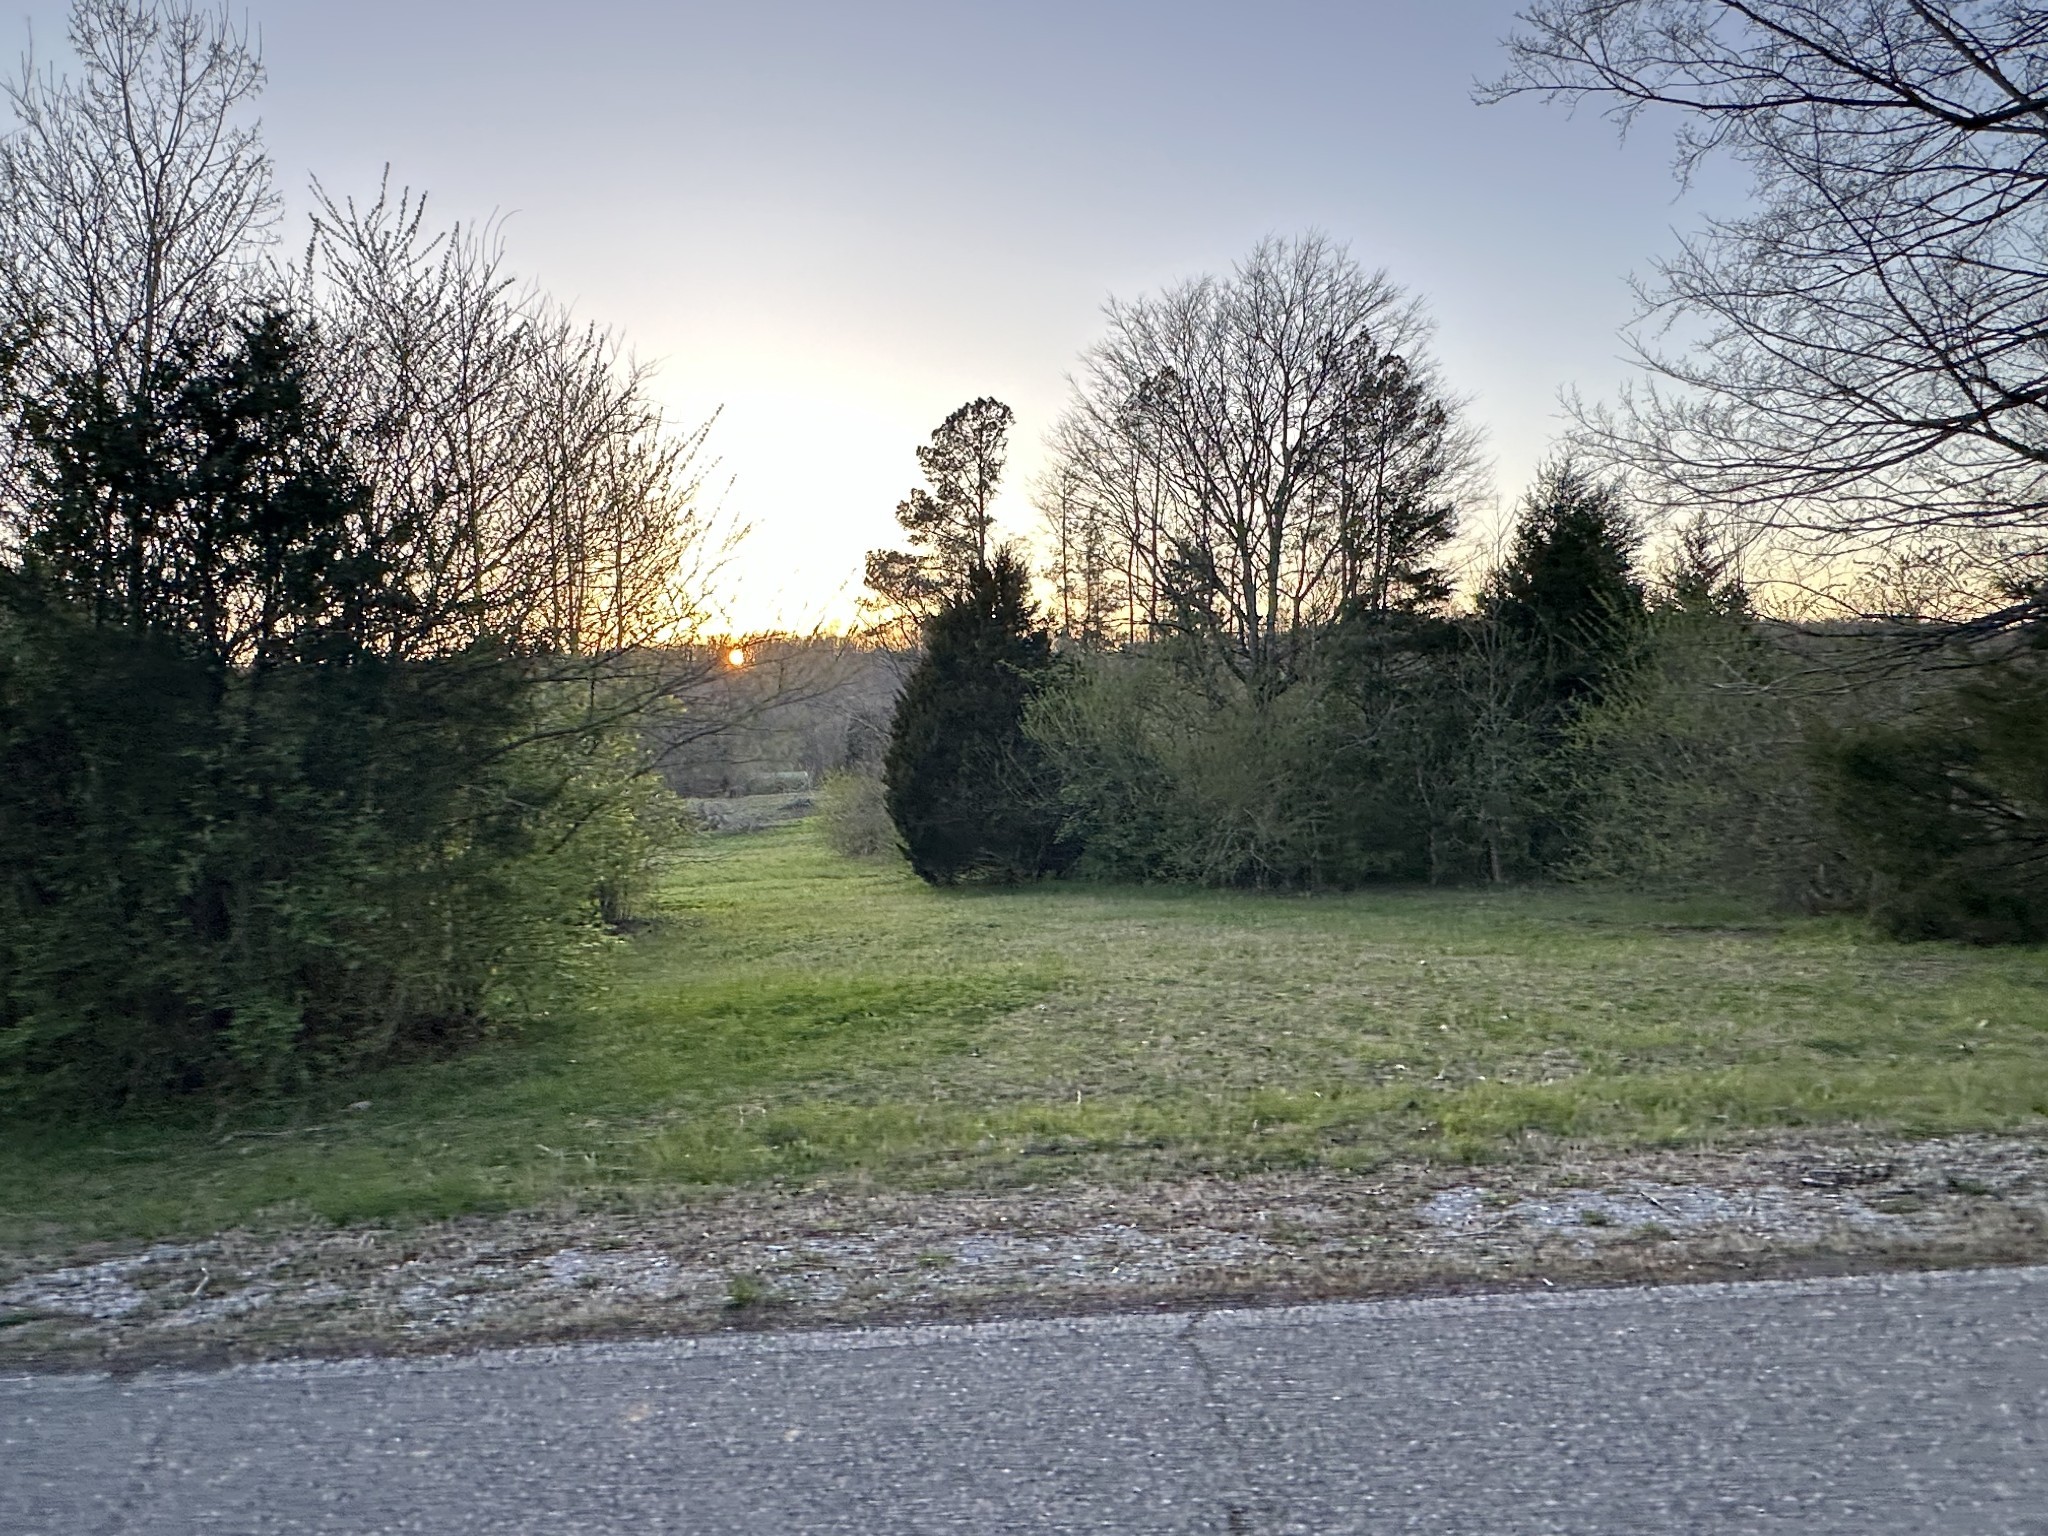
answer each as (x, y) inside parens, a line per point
(833, 221)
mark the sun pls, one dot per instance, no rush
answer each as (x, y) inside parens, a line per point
(736, 657)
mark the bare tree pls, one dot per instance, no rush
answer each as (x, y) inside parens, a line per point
(949, 519)
(133, 198)
(1864, 358)
(1268, 452)
(517, 471)
(1090, 604)
(519, 482)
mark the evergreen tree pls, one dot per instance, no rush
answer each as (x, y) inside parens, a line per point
(1552, 639)
(1568, 595)
(969, 792)
(241, 845)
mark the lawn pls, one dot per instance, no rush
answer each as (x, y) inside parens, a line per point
(793, 1018)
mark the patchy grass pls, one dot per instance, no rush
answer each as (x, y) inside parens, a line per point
(795, 1017)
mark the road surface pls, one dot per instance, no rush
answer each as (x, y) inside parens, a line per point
(1905, 1403)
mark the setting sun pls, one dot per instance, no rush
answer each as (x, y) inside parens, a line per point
(736, 657)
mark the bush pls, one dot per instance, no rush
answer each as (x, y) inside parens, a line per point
(1349, 775)
(219, 880)
(1950, 808)
(1162, 783)
(855, 810)
(1695, 774)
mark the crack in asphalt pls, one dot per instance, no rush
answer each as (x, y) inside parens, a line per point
(1237, 1517)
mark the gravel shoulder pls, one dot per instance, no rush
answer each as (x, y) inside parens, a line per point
(1786, 1206)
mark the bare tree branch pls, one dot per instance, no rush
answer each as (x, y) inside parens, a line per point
(1863, 360)
(1246, 459)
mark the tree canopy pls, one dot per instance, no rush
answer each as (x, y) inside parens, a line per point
(948, 519)
(1863, 357)
(1247, 458)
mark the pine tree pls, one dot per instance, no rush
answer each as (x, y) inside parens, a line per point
(1568, 594)
(949, 523)
(969, 792)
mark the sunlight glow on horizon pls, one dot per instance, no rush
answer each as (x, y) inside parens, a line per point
(834, 225)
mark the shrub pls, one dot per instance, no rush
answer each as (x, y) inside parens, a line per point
(1694, 772)
(1950, 808)
(214, 880)
(855, 810)
(1321, 784)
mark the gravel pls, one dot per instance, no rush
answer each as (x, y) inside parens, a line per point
(789, 1258)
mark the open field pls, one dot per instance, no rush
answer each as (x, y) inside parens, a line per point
(797, 1020)
(818, 1092)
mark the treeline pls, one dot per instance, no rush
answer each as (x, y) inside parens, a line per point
(334, 599)
(1252, 672)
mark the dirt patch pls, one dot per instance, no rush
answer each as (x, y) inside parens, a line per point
(812, 1258)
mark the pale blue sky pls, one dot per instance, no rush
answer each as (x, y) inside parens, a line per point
(840, 220)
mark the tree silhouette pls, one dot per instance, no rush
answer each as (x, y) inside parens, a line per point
(969, 792)
(1568, 592)
(948, 518)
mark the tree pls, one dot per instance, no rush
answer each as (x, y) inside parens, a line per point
(1266, 452)
(1090, 593)
(514, 461)
(1866, 363)
(1949, 806)
(132, 201)
(949, 518)
(332, 602)
(968, 791)
(213, 506)
(1568, 595)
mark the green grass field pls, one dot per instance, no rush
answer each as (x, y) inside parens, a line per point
(796, 1018)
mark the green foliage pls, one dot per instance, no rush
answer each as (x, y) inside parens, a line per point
(214, 505)
(1950, 806)
(1163, 783)
(1693, 772)
(217, 879)
(967, 789)
(1388, 760)
(1438, 712)
(240, 845)
(855, 813)
(1568, 594)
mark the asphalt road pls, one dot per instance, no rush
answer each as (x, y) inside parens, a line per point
(1909, 1403)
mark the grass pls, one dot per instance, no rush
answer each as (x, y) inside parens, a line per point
(796, 1018)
